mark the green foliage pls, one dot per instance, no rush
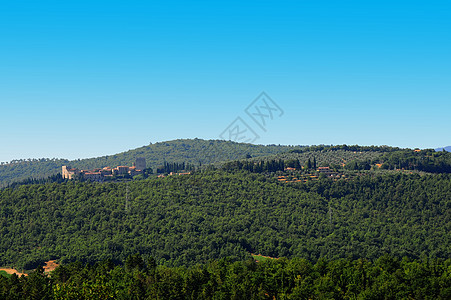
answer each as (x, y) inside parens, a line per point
(322, 158)
(358, 165)
(190, 151)
(175, 167)
(340, 239)
(135, 262)
(184, 220)
(425, 160)
(258, 257)
(351, 148)
(364, 158)
(385, 278)
(24, 170)
(256, 167)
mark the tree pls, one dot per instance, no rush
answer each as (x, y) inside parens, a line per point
(135, 262)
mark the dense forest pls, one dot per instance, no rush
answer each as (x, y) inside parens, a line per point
(175, 167)
(426, 160)
(195, 152)
(384, 278)
(184, 220)
(375, 225)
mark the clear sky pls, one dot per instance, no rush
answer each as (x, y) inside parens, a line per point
(89, 78)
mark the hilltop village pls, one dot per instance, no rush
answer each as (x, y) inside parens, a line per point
(101, 174)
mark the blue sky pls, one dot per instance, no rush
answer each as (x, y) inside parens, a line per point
(88, 78)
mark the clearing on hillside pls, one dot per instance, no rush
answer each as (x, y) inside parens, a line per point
(12, 271)
(259, 257)
(50, 266)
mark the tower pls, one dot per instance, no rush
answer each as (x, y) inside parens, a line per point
(65, 172)
(140, 163)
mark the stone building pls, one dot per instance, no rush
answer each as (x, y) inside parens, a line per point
(68, 173)
(140, 163)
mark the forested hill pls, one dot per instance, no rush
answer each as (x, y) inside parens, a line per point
(362, 158)
(184, 220)
(193, 151)
(200, 153)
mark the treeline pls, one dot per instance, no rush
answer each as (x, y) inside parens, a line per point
(28, 160)
(184, 220)
(268, 166)
(327, 158)
(169, 167)
(54, 178)
(23, 170)
(424, 160)
(384, 278)
(255, 167)
(355, 148)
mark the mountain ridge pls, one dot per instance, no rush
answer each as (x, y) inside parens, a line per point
(447, 148)
(194, 151)
(197, 152)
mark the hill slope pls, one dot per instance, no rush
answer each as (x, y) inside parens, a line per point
(448, 148)
(193, 151)
(183, 220)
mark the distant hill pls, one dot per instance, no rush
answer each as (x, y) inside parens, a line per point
(448, 148)
(193, 151)
(200, 152)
